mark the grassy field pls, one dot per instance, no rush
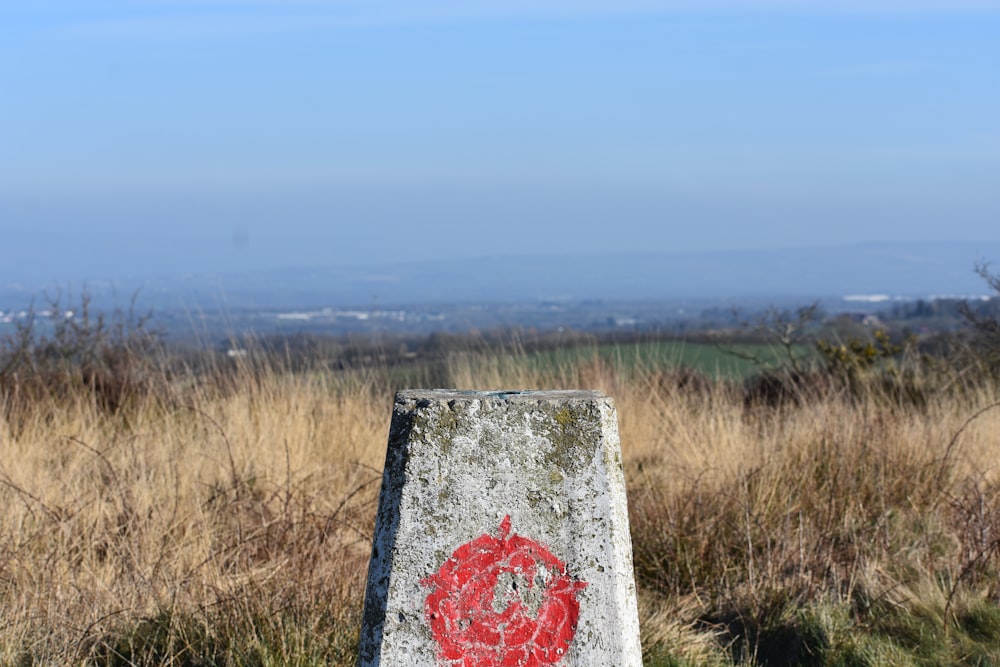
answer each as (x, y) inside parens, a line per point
(716, 361)
(226, 519)
(726, 362)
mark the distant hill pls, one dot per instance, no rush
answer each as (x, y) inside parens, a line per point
(895, 269)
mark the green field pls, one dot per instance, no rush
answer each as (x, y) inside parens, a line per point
(731, 361)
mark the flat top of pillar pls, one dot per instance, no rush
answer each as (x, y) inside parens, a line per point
(500, 395)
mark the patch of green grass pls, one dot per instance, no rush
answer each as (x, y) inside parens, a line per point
(889, 635)
(736, 361)
(229, 640)
(661, 657)
(903, 633)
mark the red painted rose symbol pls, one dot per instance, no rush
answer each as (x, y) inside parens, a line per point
(502, 601)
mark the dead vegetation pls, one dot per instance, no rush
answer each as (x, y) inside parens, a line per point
(222, 515)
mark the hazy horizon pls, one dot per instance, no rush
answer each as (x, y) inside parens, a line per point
(178, 136)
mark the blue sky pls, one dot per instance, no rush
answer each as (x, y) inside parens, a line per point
(152, 136)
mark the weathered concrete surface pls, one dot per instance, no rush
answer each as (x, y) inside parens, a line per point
(502, 535)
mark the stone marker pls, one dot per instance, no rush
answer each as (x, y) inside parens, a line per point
(502, 535)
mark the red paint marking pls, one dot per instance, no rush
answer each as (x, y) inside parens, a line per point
(473, 628)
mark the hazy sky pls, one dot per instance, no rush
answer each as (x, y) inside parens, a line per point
(154, 136)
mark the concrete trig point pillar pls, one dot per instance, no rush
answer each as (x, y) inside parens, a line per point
(502, 535)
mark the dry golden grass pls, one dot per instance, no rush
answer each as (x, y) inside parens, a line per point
(233, 504)
(230, 524)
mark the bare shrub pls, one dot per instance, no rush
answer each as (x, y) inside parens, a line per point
(72, 352)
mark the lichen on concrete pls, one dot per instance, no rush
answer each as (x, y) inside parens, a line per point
(457, 464)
